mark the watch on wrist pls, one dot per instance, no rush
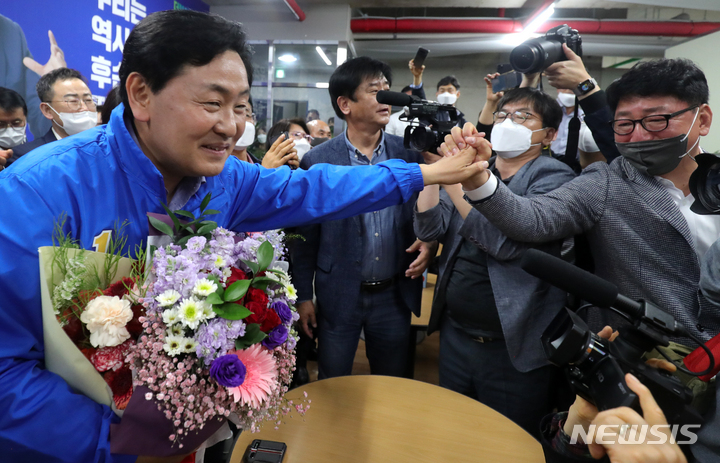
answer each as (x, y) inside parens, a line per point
(586, 87)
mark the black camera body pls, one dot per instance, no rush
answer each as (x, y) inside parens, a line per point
(434, 121)
(429, 121)
(596, 367)
(537, 54)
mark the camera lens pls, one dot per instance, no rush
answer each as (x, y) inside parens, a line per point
(526, 58)
(535, 55)
(705, 183)
(422, 139)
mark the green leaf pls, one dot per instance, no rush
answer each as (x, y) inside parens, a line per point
(211, 212)
(161, 226)
(253, 266)
(187, 214)
(236, 290)
(173, 217)
(265, 255)
(214, 299)
(205, 229)
(263, 282)
(205, 201)
(231, 311)
(253, 335)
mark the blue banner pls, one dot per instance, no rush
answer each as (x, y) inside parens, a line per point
(90, 33)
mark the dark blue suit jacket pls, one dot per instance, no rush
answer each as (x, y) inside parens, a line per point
(25, 148)
(332, 251)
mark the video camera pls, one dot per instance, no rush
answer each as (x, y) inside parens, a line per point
(705, 184)
(596, 367)
(429, 121)
(535, 55)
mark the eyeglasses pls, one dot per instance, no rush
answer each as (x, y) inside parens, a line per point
(75, 104)
(518, 117)
(654, 123)
(300, 135)
(16, 124)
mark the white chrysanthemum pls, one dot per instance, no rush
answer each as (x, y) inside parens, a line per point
(189, 345)
(168, 298)
(191, 312)
(204, 287)
(170, 317)
(219, 262)
(208, 312)
(291, 291)
(174, 345)
(226, 273)
(175, 330)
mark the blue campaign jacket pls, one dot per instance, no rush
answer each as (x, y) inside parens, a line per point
(101, 176)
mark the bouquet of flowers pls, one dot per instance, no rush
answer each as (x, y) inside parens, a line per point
(205, 332)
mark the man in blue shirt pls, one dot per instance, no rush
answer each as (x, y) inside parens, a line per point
(184, 80)
(368, 288)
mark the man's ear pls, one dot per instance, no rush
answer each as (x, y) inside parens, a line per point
(139, 96)
(549, 136)
(343, 103)
(47, 111)
(457, 95)
(705, 119)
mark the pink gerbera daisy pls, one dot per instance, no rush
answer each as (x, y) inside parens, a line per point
(260, 376)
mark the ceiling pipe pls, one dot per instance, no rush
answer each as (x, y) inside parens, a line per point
(509, 26)
(295, 8)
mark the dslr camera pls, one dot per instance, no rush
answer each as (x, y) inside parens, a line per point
(537, 54)
(705, 184)
(429, 121)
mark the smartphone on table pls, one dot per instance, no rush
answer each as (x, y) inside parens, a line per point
(265, 451)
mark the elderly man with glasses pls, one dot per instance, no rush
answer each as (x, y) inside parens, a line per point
(67, 102)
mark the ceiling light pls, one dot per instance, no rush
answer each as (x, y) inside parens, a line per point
(287, 58)
(279, 74)
(323, 55)
(535, 24)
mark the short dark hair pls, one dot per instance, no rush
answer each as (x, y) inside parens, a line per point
(45, 85)
(164, 42)
(11, 100)
(678, 77)
(542, 103)
(449, 80)
(111, 101)
(283, 125)
(351, 74)
(406, 88)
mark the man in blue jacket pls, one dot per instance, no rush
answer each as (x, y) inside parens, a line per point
(185, 82)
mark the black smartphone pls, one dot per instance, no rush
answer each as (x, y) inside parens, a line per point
(506, 80)
(265, 451)
(420, 57)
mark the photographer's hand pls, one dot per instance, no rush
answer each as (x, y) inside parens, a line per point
(568, 74)
(417, 73)
(491, 100)
(629, 421)
(531, 80)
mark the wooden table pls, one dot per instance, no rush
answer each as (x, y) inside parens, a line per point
(374, 419)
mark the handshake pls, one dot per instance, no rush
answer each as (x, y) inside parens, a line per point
(462, 159)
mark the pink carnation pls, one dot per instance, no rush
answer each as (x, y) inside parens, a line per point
(260, 377)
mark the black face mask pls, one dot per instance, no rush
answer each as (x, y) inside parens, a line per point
(657, 157)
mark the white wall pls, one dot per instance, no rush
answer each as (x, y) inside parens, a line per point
(703, 52)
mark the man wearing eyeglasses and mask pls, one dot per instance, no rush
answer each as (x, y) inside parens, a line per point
(635, 211)
(13, 122)
(67, 101)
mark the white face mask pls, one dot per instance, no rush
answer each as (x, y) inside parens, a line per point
(510, 140)
(12, 136)
(447, 98)
(262, 138)
(248, 136)
(566, 99)
(302, 147)
(74, 123)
